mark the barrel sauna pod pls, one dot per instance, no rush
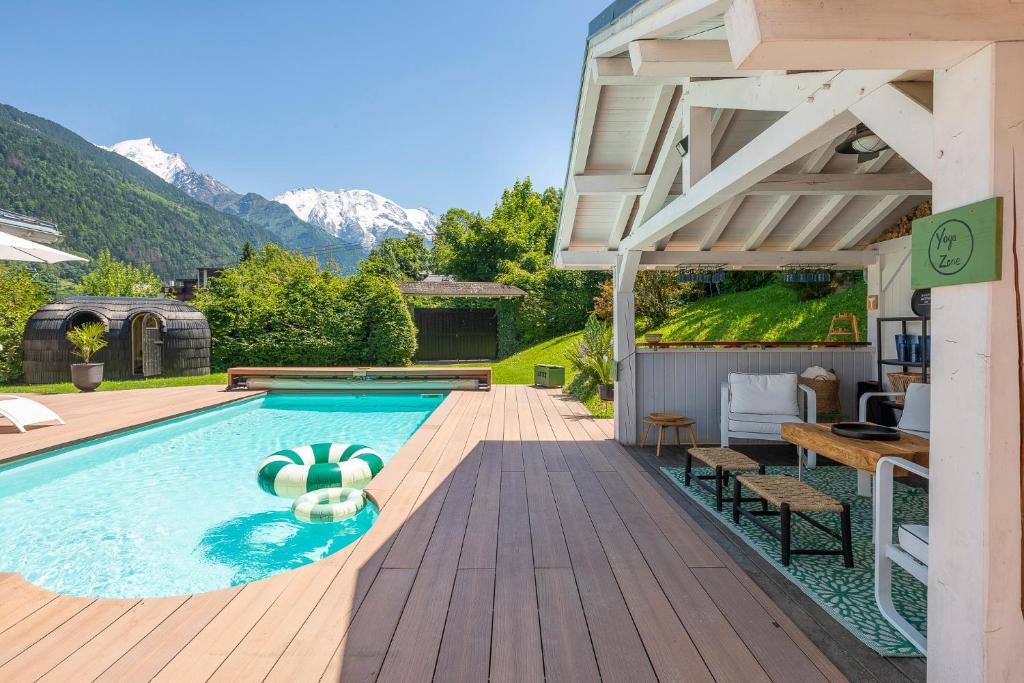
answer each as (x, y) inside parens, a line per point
(146, 337)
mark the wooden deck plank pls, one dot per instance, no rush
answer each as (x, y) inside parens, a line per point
(548, 541)
(568, 652)
(465, 653)
(512, 445)
(60, 643)
(617, 646)
(145, 659)
(515, 641)
(774, 649)
(93, 658)
(367, 639)
(39, 624)
(414, 647)
(721, 647)
(316, 644)
(672, 652)
(22, 600)
(479, 547)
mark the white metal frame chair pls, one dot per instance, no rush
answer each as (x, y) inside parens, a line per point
(807, 400)
(889, 551)
(24, 412)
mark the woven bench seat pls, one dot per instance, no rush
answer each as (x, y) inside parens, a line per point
(792, 497)
(723, 461)
(780, 489)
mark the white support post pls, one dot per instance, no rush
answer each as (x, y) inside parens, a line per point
(624, 340)
(975, 626)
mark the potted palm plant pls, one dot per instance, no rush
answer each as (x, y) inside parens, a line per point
(87, 340)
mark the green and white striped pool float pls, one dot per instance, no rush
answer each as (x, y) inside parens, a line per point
(328, 505)
(295, 471)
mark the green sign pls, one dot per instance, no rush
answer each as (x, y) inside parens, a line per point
(958, 246)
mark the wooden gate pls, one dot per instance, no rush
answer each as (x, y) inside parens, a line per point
(456, 334)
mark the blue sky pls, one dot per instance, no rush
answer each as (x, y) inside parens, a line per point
(431, 103)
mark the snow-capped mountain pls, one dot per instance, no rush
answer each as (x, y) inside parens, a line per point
(351, 216)
(172, 168)
(358, 215)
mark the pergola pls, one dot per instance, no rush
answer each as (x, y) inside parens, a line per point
(706, 133)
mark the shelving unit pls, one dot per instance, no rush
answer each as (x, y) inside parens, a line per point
(906, 365)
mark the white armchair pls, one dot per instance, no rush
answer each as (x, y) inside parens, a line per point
(909, 550)
(756, 407)
(916, 415)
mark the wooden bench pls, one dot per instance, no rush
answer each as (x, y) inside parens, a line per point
(723, 461)
(360, 379)
(793, 496)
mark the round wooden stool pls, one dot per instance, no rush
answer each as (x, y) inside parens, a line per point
(663, 420)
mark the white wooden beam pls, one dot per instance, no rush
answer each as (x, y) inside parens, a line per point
(665, 170)
(626, 266)
(869, 221)
(682, 59)
(652, 131)
(796, 134)
(671, 18)
(619, 71)
(773, 92)
(697, 162)
(624, 345)
(814, 163)
(586, 114)
(867, 34)
(719, 223)
(834, 205)
(878, 184)
(608, 260)
(722, 122)
(903, 122)
(610, 184)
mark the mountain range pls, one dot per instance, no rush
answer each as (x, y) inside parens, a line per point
(349, 222)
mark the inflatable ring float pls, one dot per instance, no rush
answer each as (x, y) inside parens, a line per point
(295, 471)
(328, 505)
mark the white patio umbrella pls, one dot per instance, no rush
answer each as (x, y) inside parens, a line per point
(13, 248)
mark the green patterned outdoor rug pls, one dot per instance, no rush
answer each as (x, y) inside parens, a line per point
(846, 594)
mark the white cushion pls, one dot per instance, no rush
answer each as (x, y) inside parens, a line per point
(759, 424)
(917, 408)
(763, 394)
(914, 539)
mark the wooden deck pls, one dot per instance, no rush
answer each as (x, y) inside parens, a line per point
(516, 542)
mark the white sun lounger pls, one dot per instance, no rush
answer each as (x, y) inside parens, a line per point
(23, 412)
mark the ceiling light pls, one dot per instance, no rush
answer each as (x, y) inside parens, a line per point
(864, 143)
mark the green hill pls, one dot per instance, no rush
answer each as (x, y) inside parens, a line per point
(99, 200)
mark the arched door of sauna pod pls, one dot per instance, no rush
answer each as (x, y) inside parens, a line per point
(147, 345)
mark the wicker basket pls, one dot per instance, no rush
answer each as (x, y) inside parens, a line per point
(900, 380)
(827, 392)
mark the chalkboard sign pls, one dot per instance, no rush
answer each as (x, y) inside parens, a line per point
(921, 303)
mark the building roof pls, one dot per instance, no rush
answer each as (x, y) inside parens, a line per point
(761, 184)
(28, 227)
(461, 289)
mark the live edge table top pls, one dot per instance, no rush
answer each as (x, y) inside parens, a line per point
(857, 453)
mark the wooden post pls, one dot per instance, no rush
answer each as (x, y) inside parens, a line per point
(975, 625)
(624, 332)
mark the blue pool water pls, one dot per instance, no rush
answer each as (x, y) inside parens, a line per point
(175, 508)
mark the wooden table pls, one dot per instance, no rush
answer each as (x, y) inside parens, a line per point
(663, 420)
(863, 455)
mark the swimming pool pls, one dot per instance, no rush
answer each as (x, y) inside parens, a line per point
(174, 508)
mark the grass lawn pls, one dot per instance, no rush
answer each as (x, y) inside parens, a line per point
(770, 313)
(156, 382)
(518, 369)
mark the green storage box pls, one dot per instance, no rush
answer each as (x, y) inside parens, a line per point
(548, 375)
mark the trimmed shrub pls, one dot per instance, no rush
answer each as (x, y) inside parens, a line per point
(280, 308)
(21, 296)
